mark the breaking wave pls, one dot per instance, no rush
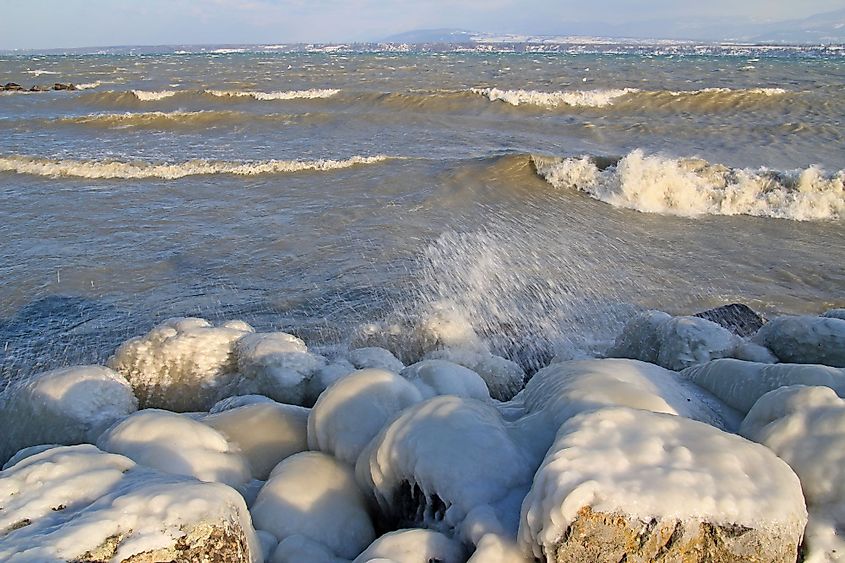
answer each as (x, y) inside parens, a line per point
(138, 170)
(160, 119)
(692, 186)
(267, 96)
(152, 96)
(574, 98)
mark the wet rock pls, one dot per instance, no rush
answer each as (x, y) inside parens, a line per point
(738, 318)
(12, 87)
(61, 86)
(805, 340)
(39, 88)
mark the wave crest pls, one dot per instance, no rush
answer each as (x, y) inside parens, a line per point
(161, 119)
(140, 170)
(574, 98)
(314, 93)
(691, 187)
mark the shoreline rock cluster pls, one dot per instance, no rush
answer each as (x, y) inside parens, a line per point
(693, 440)
(58, 86)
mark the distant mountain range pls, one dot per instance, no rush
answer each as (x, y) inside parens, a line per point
(827, 28)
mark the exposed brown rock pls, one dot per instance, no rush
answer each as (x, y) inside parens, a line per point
(738, 318)
(12, 87)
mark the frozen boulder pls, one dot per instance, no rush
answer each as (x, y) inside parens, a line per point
(442, 458)
(503, 378)
(174, 443)
(640, 339)
(739, 384)
(621, 484)
(264, 433)
(751, 352)
(352, 411)
(63, 406)
(325, 377)
(441, 377)
(835, 314)
(738, 318)
(314, 495)
(76, 503)
(183, 364)
(569, 388)
(374, 357)
(414, 546)
(805, 340)
(805, 426)
(278, 365)
(238, 401)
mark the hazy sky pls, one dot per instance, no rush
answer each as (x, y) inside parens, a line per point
(41, 24)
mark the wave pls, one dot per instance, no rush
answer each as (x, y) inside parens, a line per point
(89, 85)
(153, 96)
(317, 93)
(692, 187)
(574, 98)
(111, 169)
(160, 119)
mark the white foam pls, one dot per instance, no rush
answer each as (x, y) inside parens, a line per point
(691, 187)
(751, 91)
(88, 85)
(314, 93)
(152, 96)
(99, 169)
(575, 98)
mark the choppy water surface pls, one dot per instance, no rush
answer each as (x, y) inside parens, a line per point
(542, 194)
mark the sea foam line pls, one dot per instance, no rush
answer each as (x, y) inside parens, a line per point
(692, 187)
(138, 170)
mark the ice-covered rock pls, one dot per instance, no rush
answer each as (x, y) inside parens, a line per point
(739, 384)
(374, 357)
(751, 352)
(492, 548)
(441, 377)
(174, 443)
(265, 433)
(63, 406)
(76, 503)
(569, 388)
(352, 411)
(238, 401)
(805, 426)
(299, 549)
(183, 364)
(623, 484)
(278, 365)
(503, 378)
(805, 340)
(835, 314)
(673, 342)
(312, 494)
(414, 546)
(442, 458)
(326, 376)
(738, 318)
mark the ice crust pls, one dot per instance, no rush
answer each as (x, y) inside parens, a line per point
(63, 406)
(174, 443)
(354, 410)
(63, 502)
(654, 465)
(441, 377)
(740, 384)
(314, 495)
(374, 357)
(805, 339)
(414, 546)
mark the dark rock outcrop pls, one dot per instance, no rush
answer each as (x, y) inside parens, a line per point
(736, 317)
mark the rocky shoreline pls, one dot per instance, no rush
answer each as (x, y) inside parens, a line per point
(58, 86)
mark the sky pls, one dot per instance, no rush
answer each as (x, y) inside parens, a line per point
(46, 24)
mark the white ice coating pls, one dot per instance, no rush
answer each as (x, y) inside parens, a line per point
(441, 377)
(314, 495)
(63, 406)
(740, 384)
(374, 357)
(457, 449)
(314, 93)
(355, 409)
(299, 549)
(805, 426)
(574, 98)
(651, 465)
(264, 433)
(109, 169)
(276, 364)
(805, 339)
(691, 187)
(414, 546)
(238, 401)
(325, 376)
(835, 314)
(183, 364)
(566, 389)
(74, 498)
(174, 443)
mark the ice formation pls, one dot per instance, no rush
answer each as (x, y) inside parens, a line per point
(300, 549)
(414, 546)
(325, 376)
(651, 467)
(63, 406)
(740, 384)
(238, 401)
(183, 364)
(673, 342)
(441, 377)
(805, 339)
(75, 503)
(276, 364)
(264, 433)
(442, 458)
(174, 443)
(352, 411)
(835, 314)
(374, 357)
(314, 495)
(805, 426)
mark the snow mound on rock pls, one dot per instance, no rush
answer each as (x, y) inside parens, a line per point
(174, 443)
(805, 339)
(63, 406)
(238, 401)
(414, 546)
(354, 410)
(374, 357)
(183, 364)
(441, 377)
